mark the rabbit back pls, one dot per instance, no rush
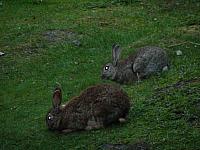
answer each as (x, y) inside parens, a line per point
(105, 102)
(150, 60)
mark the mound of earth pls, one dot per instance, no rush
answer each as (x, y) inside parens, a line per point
(58, 36)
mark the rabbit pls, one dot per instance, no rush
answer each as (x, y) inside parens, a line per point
(96, 107)
(145, 62)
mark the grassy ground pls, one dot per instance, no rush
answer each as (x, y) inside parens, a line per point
(166, 118)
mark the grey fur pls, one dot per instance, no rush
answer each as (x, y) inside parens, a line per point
(150, 60)
(145, 62)
(96, 107)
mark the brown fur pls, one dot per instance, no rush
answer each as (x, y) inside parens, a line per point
(95, 107)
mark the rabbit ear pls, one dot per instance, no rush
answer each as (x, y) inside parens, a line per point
(57, 97)
(115, 53)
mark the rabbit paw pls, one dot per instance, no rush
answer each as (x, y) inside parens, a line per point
(138, 77)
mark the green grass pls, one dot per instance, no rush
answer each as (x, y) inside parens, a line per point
(31, 67)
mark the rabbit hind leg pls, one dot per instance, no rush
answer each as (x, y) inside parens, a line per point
(94, 123)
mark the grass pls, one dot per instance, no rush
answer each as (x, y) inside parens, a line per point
(32, 66)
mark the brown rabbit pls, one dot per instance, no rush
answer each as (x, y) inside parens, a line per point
(96, 107)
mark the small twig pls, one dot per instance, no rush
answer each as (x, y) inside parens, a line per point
(177, 44)
(183, 43)
(194, 43)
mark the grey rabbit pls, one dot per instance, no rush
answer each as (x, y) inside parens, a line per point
(145, 62)
(96, 107)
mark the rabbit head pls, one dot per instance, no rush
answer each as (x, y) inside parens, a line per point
(54, 116)
(110, 69)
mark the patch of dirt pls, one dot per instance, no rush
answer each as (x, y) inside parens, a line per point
(109, 4)
(177, 85)
(95, 5)
(169, 5)
(24, 50)
(30, 50)
(27, 49)
(135, 146)
(190, 91)
(58, 36)
(194, 118)
(101, 21)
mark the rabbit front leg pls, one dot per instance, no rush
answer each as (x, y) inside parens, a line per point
(138, 77)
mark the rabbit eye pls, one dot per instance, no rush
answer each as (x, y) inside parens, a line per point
(106, 67)
(50, 117)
